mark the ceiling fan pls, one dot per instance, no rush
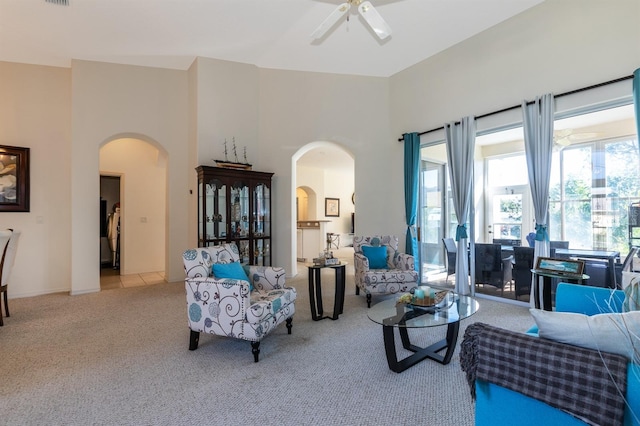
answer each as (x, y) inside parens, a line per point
(566, 137)
(367, 11)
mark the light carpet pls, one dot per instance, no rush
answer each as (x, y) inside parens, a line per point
(120, 357)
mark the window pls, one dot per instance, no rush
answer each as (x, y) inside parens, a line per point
(592, 186)
(507, 171)
(594, 175)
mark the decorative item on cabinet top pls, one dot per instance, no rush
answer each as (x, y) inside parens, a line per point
(233, 164)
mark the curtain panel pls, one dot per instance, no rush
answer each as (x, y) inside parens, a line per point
(538, 144)
(636, 100)
(411, 182)
(461, 139)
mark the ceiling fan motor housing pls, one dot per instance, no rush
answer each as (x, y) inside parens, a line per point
(367, 11)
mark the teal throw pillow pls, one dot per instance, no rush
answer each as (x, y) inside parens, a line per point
(232, 270)
(377, 256)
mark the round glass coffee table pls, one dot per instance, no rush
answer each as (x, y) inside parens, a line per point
(391, 315)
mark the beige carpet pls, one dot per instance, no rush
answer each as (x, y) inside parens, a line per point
(120, 357)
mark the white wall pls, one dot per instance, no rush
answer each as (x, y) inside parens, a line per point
(111, 101)
(339, 184)
(227, 108)
(297, 108)
(35, 112)
(557, 46)
(143, 172)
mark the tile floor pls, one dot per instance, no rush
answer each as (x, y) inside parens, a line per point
(111, 279)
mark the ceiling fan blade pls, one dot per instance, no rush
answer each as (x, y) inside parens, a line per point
(375, 21)
(331, 20)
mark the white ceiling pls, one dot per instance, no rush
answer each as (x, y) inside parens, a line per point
(328, 158)
(266, 33)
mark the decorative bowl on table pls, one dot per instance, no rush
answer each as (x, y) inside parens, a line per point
(425, 302)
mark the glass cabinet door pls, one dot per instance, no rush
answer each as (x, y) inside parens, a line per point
(212, 215)
(261, 217)
(240, 214)
(261, 221)
(262, 252)
(243, 249)
(215, 213)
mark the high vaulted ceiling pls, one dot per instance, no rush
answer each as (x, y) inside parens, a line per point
(266, 33)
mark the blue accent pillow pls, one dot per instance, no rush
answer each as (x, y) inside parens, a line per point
(377, 256)
(232, 270)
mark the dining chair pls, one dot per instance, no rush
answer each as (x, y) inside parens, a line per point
(8, 247)
(452, 252)
(507, 242)
(523, 263)
(599, 273)
(491, 269)
(553, 245)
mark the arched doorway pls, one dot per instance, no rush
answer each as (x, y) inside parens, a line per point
(306, 201)
(326, 170)
(141, 166)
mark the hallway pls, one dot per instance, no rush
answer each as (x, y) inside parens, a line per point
(111, 279)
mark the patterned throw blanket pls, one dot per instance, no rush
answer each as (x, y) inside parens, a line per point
(566, 377)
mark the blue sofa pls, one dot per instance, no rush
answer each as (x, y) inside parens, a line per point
(498, 405)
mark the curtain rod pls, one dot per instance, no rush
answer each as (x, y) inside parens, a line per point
(595, 86)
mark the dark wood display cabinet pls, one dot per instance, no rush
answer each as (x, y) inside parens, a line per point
(235, 206)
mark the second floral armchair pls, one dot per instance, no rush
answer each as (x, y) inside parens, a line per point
(380, 268)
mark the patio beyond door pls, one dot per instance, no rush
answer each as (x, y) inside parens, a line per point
(505, 222)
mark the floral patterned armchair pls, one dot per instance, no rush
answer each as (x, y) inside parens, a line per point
(234, 307)
(399, 275)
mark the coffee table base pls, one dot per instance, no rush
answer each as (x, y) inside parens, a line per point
(431, 352)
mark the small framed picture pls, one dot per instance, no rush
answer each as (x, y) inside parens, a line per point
(332, 207)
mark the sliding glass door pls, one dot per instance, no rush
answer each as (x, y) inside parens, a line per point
(436, 217)
(432, 215)
(509, 212)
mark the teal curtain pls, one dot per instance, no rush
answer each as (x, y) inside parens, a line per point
(411, 174)
(636, 99)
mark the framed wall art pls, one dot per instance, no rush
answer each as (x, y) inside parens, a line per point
(14, 179)
(332, 207)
